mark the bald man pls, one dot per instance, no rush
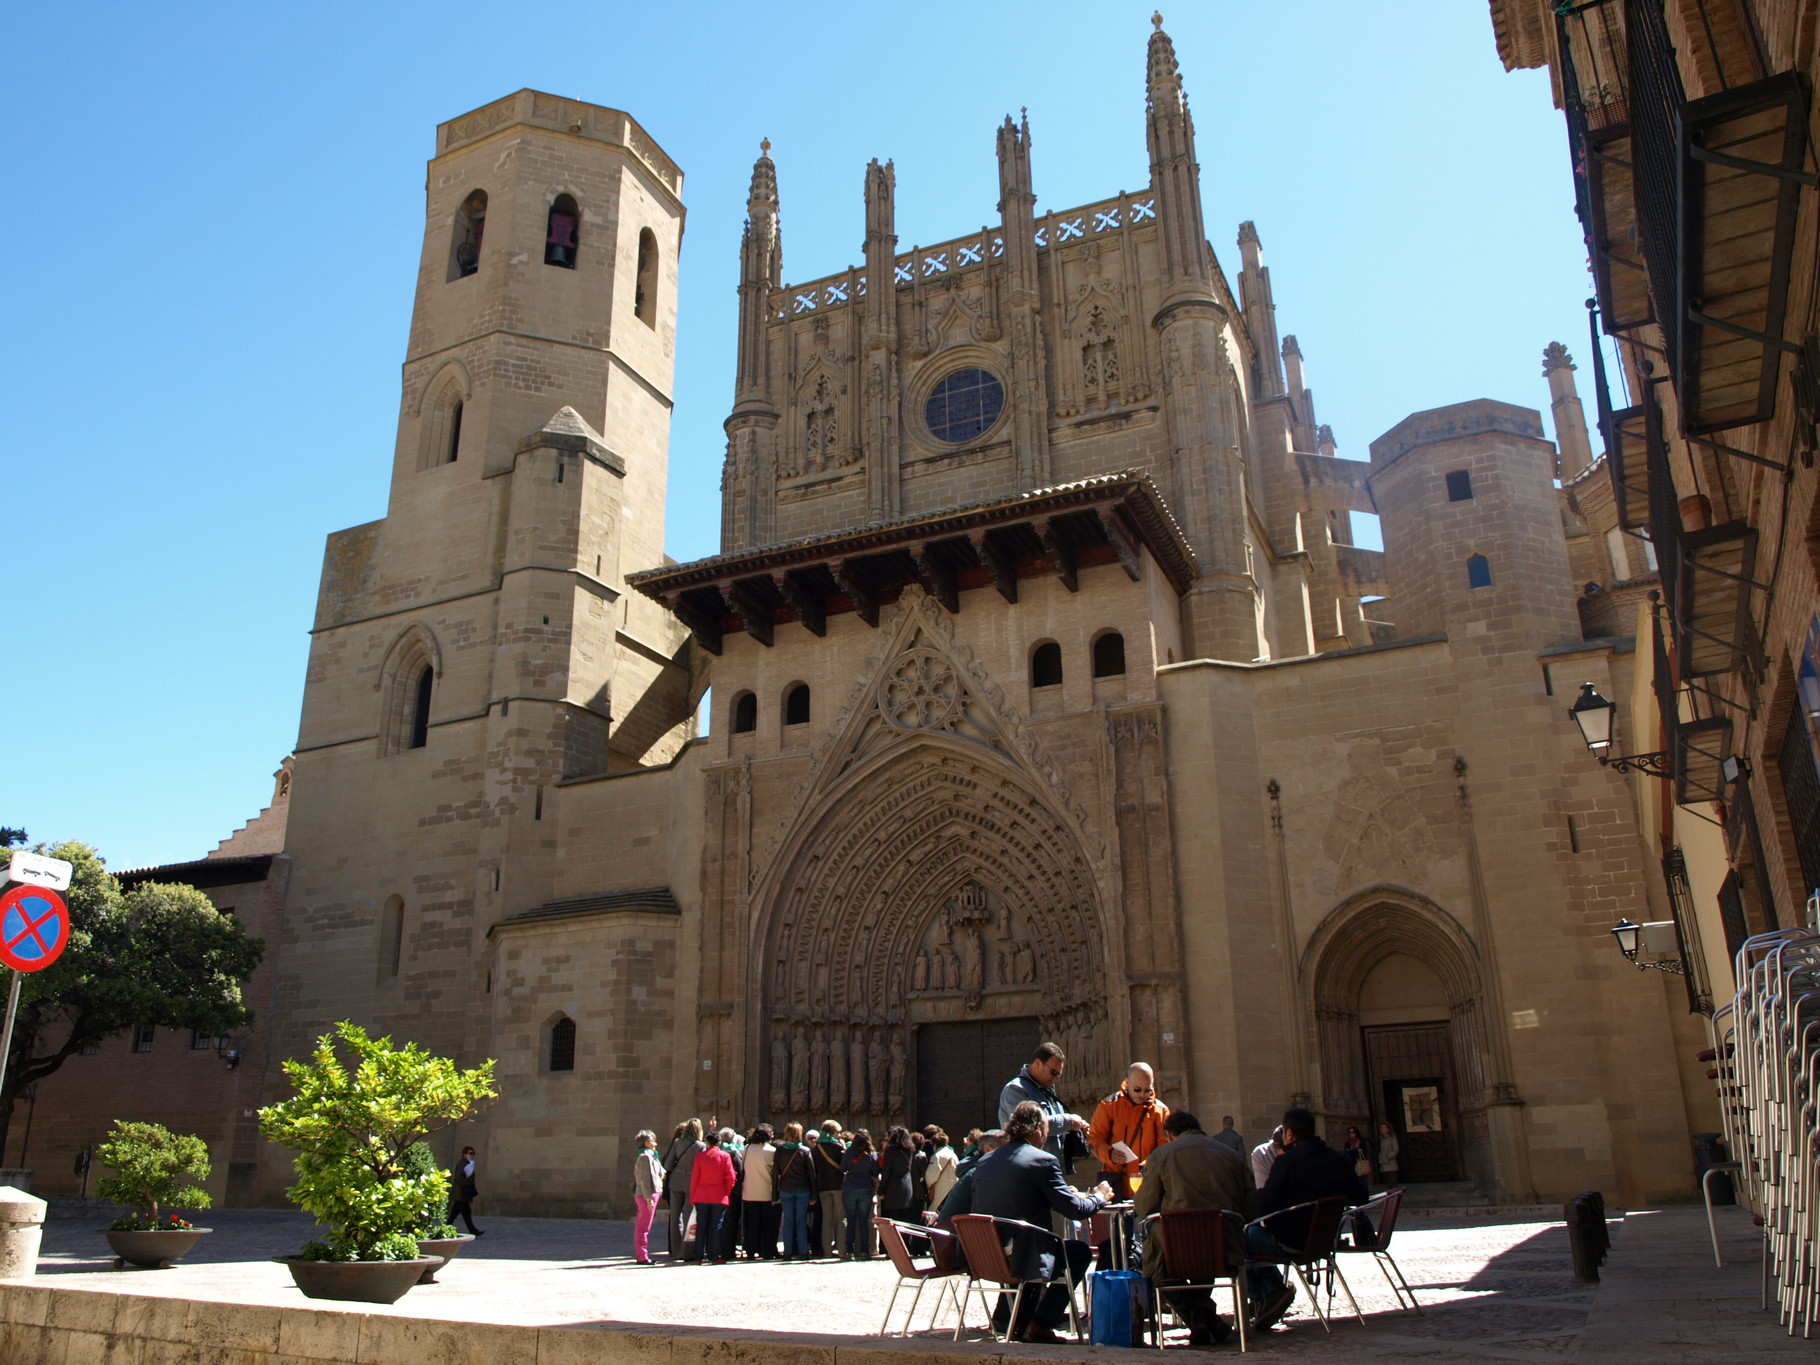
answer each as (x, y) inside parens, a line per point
(1127, 1127)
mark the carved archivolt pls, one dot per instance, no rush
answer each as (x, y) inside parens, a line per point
(932, 861)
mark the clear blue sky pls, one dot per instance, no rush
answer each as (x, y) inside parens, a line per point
(213, 228)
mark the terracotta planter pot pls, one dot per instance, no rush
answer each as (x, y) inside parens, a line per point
(356, 1281)
(444, 1249)
(153, 1250)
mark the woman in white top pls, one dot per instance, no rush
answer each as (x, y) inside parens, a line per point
(941, 1175)
(758, 1191)
(1388, 1153)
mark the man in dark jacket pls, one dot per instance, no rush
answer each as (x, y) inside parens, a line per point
(960, 1198)
(1308, 1169)
(1035, 1082)
(1022, 1181)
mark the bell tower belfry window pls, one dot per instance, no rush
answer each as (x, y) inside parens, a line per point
(464, 240)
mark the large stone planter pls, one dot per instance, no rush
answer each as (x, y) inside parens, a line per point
(154, 1250)
(21, 1229)
(444, 1249)
(357, 1281)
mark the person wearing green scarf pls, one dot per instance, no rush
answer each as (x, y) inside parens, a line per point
(793, 1167)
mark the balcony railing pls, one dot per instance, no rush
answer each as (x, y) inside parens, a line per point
(1690, 208)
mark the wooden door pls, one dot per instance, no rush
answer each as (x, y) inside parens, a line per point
(961, 1067)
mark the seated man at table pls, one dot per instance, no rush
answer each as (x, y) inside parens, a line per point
(1022, 1181)
(1308, 1170)
(1195, 1171)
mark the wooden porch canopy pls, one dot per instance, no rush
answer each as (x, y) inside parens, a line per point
(1061, 530)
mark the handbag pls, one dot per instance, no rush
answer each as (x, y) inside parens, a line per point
(1074, 1148)
(1362, 1168)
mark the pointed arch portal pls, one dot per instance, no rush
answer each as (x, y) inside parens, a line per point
(937, 887)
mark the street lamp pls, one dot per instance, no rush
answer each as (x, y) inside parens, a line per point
(1631, 939)
(1597, 718)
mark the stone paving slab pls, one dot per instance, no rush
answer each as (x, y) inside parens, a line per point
(1491, 1290)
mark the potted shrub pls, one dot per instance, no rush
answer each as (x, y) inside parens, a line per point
(152, 1173)
(352, 1120)
(436, 1235)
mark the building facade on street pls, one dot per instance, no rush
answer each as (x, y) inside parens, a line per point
(1050, 699)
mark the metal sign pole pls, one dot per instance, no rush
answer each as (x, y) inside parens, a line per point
(6, 1040)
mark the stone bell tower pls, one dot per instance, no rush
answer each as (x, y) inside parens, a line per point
(475, 649)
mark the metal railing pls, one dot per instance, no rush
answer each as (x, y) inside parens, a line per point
(1766, 1045)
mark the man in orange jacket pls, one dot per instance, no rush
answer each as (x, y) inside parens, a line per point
(1127, 1127)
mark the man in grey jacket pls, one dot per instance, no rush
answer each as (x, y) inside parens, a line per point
(1035, 1083)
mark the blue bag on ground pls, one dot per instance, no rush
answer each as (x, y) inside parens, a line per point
(1118, 1299)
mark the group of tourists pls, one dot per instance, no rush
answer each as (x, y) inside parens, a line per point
(794, 1197)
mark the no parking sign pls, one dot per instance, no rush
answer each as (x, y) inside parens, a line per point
(34, 928)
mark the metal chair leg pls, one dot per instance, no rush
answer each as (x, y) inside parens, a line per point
(1314, 1299)
(1333, 1266)
(885, 1329)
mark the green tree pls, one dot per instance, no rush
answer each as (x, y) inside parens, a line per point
(351, 1123)
(152, 1168)
(160, 955)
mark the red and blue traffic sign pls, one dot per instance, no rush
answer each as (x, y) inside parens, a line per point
(34, 928)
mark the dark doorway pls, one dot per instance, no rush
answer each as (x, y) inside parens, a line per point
(960, 1069)
(1412, 1090)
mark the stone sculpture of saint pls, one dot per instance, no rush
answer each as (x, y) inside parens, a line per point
(954, 970)
(837, 1075)
(919, 974)
(799, 1070)
(879, 1071)
(1003, 973)
(898, 1059)
(818, 1071)
(780, 1067)
(970, 965)
(856, 1094)
(1026, 964)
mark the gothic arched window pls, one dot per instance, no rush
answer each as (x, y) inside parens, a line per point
(1109, 655)
(745, 713)
(464, 241)
(1478, 571)
(1046, 665)
(644, 301)
(562, 235)
(391, 938)
(796, 705)
(420, 708)
(562, 1044)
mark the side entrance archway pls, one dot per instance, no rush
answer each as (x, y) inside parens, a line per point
(1396, 991)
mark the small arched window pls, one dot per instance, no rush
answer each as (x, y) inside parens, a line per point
(796, 705)
(1478, 571)
(455, 431)
(420, 708)
(562, 1044)
(1459, 485)
(1046, 665)
(1109, 655)
(464, 241)
(745, 713)
(644, 301)
(391, 938)
(563, 234)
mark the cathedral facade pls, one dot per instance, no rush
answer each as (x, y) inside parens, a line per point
(1050, 700)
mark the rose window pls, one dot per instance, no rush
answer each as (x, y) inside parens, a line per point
(921, 692)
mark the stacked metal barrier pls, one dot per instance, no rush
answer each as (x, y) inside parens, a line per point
(1766, 1046)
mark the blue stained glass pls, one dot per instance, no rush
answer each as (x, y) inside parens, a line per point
(964, 406)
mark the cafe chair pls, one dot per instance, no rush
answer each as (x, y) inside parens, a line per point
(1381, 1216)
(1316, 1253)
(1194, 1245)
(984, 1243)
(945, 1269)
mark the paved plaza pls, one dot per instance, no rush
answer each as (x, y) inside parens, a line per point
(1492, 1289)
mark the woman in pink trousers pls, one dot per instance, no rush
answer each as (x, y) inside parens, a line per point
(647, 1180)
